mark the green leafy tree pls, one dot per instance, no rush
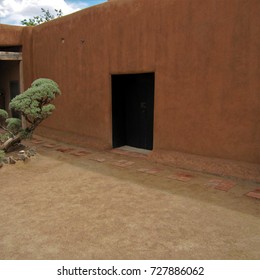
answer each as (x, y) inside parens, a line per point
(34, 105)
(46, 16)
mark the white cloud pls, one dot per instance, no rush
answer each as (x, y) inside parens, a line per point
(13, 11)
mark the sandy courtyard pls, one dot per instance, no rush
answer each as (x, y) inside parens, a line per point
(60, 206)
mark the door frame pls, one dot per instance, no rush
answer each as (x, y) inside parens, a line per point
(111, 102)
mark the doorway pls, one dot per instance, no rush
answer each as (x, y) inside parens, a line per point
(133, 110)
(11, 77)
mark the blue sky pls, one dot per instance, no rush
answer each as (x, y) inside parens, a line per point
(13, 11)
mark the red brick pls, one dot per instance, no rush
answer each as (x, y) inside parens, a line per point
(49, 145)
(225, 186)
(214, 183)
(184, 177)
(84, 152)
(64, 149)
(254, 194)
(123, 163)
(77, 153)
(220, 184)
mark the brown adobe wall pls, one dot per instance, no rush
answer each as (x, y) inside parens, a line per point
(207, 66)
(205, 56)
(27, 56)
(10, 35)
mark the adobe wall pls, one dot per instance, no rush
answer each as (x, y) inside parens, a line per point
(205, 57)
(207, 66)
(10, 35)
(27, 51)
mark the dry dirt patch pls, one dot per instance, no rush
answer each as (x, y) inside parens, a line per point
(57, 206)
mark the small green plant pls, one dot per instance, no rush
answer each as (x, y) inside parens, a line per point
(46, 16)
(34, 106)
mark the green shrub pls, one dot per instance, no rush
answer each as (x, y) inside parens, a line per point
(34, 106)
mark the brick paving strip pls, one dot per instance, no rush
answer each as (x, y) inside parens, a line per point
(49, 145)
(123, 163)
(79, 153)
(65, 149)
(184, 177)
(254, 194)
(218, 184)
(221, 185)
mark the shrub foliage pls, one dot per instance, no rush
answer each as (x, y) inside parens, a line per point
(34, 106)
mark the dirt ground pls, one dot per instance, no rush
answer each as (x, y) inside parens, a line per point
(104, 205)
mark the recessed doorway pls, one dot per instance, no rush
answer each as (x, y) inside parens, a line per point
(133, 110)
(11, 78)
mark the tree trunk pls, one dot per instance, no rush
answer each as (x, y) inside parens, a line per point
(11, 142)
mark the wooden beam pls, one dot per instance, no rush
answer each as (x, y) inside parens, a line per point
(10, 55)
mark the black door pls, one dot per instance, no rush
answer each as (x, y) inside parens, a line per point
(132, 110)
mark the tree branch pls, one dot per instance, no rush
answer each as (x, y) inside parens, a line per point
(5, 129)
